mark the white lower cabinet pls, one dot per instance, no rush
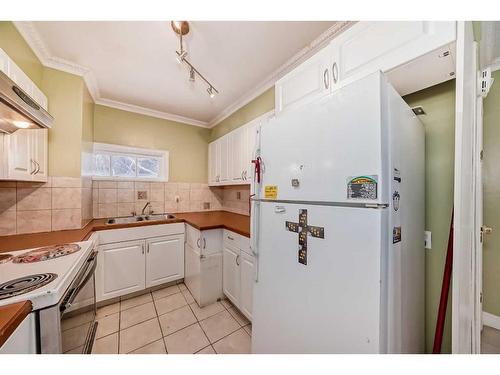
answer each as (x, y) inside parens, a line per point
(133, 259)
(203, 266)
(231, 274)
(120, 269)
(238, 272)
(164, 260)
(247, 277)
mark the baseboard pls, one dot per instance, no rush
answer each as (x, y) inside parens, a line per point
(491, 320)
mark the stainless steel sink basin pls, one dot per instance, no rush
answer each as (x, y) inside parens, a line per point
(135, 219)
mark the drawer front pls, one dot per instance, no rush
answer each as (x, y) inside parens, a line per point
(237, 240)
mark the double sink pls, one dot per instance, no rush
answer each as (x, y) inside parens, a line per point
(139, 218)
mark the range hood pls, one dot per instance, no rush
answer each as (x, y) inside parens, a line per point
(18, 110)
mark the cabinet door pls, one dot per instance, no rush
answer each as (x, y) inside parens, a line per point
(20, 163)
(252, 131)
(39, 143)
(120, 269)
(164, 259)
(310, 80)
(224, 159)
(367, 47)
(237, 154)
(231, 273)
(212, 163)
(246, 284)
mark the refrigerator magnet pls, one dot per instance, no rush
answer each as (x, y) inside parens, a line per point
(396, 235)
(362, 187)
(270, 192)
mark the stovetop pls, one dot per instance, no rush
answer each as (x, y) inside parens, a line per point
(46, 253)
(25, 284)
(42, 290)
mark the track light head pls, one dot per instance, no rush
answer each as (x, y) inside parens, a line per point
(211, 92)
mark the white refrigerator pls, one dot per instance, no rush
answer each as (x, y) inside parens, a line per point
(338, 226)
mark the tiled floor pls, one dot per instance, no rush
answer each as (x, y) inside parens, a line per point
(490, 340)
(170, 321)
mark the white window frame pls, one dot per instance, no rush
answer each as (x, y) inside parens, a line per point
(135, 152)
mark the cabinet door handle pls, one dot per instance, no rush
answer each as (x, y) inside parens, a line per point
(230, 238)
(33, 165)
(242, 175)
(204, 243)
(198, 243)
(237, 257)
(326, 78)
(142, 248)
(335, 72)
(37, 167)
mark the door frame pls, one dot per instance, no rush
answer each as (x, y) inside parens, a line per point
(465, 293)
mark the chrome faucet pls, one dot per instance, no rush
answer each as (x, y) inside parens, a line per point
(146, 206)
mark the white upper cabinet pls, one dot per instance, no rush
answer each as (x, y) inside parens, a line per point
(24, 155)
(367, 47)
(230, 157)
(310, 80)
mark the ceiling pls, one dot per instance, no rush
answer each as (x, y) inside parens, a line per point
(132, 65)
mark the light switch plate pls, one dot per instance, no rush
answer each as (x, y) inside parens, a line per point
(428, 239)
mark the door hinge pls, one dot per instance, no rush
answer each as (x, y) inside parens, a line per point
(484, 82)
(481, 297)
(481, 155)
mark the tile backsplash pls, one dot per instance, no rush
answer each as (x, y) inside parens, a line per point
(71, 202)
(122, 198)
(30, 207)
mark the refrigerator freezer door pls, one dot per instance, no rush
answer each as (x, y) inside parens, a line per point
(332, 304)
(315, 151)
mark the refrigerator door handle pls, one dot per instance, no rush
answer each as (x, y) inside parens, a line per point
(254, 235)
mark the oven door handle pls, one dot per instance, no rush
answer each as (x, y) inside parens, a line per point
(89, 272)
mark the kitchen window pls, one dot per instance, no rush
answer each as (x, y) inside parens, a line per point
(115, 162)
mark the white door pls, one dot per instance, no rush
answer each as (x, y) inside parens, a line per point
(464, 246)
(332, 304)
(120, 269)
(192, 275)
(225, 161)
(231, 273)
(309, 81)
(212, 163)
(252, 131)
(247, 276)
(237, 154)
(164, 259)
(39, 145)
(21, 165)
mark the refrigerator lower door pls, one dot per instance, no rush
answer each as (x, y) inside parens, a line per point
(335, 303)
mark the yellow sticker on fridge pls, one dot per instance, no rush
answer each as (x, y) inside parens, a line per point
(270, 192)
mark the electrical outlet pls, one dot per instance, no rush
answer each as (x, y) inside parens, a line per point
(177, 199)
(238, 195)
(206, 205)
(141, 194)
(428, 239)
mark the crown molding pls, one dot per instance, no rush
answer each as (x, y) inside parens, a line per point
(150, 112)
(28, 30)
(320, 42)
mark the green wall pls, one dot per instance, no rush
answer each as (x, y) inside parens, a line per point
(187, 144)
(16, 47)
(260, 105)
(439, 104)
(491, 197)
(65, 93)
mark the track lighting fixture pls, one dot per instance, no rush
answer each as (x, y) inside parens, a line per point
(181, 28)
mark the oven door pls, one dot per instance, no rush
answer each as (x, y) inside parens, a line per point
(77, 311)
